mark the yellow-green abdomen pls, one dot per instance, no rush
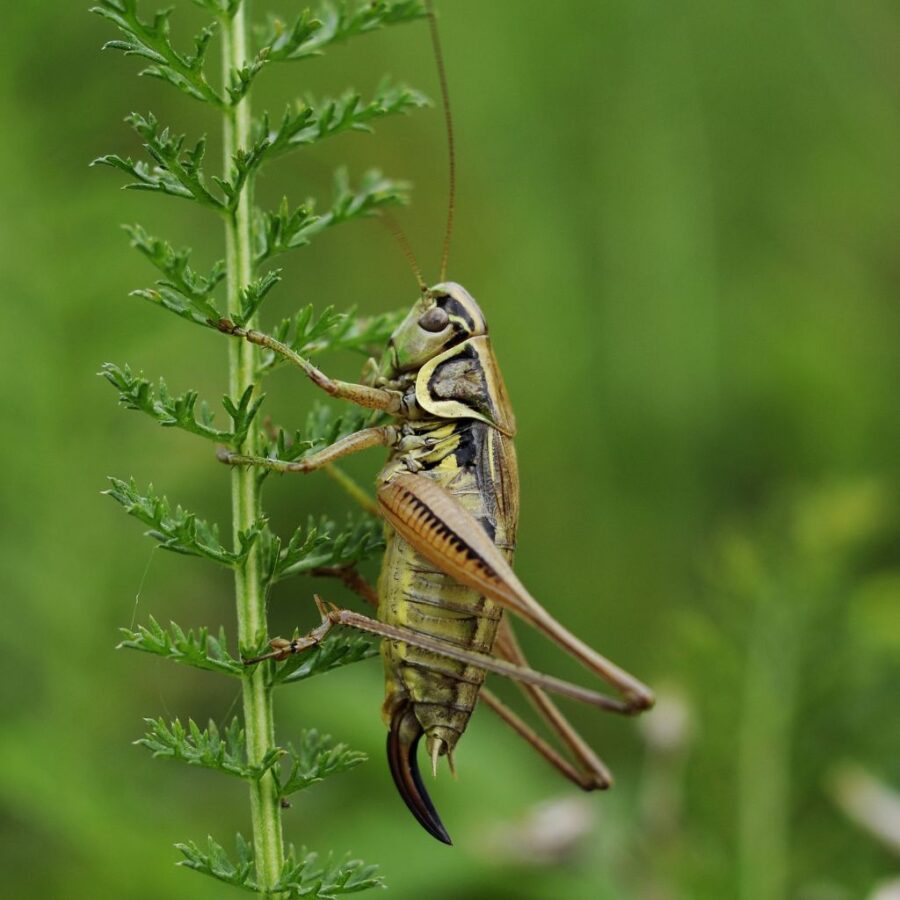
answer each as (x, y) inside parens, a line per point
(413, 594)
(476, 464)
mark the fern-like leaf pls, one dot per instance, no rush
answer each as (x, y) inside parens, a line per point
(334, 23)
(335, 651)
(152, 41)
(285, 229)
(173, 264)
(314, 758)
(180, 411)
(326, 546)
(308, 334)
(310, 122)
(305, 876)
(224, 751)
(215, 862)
(193, 648)
(175, 171)
(253, 295)
(302, 875)
(179, 530)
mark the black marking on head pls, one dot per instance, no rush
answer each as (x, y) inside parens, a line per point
(453, 307)
(459, 335)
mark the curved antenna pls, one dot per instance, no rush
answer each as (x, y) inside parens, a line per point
(448, 121)
(393, 226)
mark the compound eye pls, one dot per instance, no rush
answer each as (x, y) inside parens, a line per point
(435, 320)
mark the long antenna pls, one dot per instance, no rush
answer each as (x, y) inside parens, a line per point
(393, 226)
(448, 121)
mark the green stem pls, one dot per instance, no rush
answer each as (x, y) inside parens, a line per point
(265, 806)
(360, 495)
(765, 751)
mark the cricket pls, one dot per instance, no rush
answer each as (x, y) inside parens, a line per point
(449, 497)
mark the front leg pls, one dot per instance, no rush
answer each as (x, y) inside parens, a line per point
(388, 401)
(380, 436)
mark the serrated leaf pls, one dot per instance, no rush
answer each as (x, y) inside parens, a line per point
(360, 539)
(276, 42)
(178, 530)
(308, 334)
(244, 164)
(336, 22)
(309, 121)
(253, 294)
(284, 229)
(176, 170)
(194, 648)
(280, 40)
(179, 276)
(305, 876)
(240, 78)
(302, 124)
(203, 313)
(314, 758)
(214, 861)
(243, 413)
(300, 331)
(324, 426)
(302, 875)
(335, 651)
(374, 191)
(151, 41)
(225, 751)
(171, 411)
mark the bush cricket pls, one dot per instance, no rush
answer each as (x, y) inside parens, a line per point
(449, 495)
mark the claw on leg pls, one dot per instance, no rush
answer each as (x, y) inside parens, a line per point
(282, 648)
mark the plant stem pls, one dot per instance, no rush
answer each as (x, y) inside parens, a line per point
(360, 495)
(765, 750)
(265, 808)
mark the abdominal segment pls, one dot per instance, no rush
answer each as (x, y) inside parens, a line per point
(414, 595)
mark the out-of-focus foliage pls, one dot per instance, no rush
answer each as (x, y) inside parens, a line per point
(682, 222)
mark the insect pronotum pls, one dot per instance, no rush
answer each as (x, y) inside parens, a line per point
(449, 495)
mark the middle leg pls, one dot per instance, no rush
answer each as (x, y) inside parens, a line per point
(380, 436)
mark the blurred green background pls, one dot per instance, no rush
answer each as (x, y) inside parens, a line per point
(682, 222)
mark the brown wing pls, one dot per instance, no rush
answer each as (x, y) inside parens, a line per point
(438, 527)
